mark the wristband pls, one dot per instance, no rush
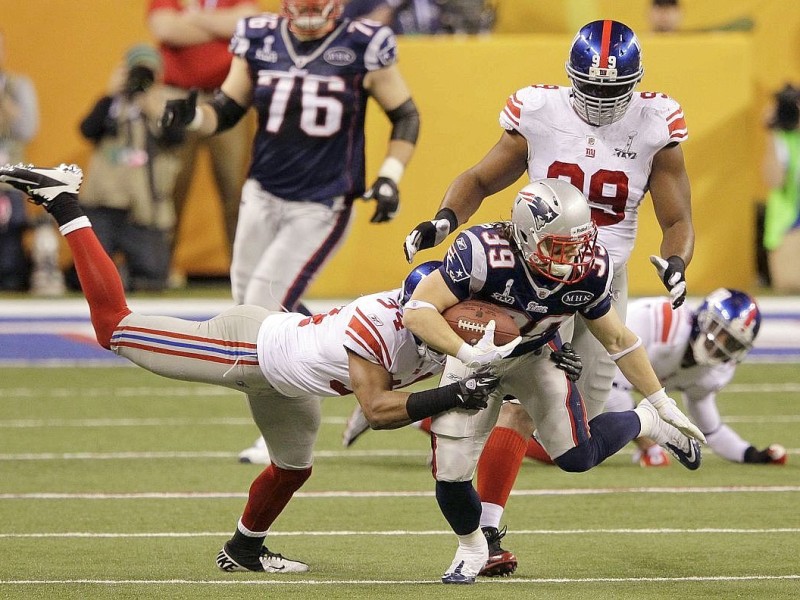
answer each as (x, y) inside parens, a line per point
(415, 304)
(634, 346)
(449, 215)
(421, 405)
(392, 169)
(464, 353)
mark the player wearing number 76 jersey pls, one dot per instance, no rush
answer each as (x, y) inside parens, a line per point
(612, 143)
(308, 73)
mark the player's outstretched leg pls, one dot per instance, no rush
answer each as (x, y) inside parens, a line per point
(682, 447)
(56, 190)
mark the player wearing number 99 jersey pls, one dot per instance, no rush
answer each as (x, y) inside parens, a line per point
(612, 143)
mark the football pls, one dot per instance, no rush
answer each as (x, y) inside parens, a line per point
(469, 318)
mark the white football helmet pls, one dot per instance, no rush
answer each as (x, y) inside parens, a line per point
(311, 17)
(553, 229)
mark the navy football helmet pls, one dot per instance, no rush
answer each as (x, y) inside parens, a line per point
(724, 327)
(605, 63)
(552, 227)
(416, 275)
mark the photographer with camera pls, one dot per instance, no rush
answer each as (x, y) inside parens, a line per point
(781, 169)
(131, 176)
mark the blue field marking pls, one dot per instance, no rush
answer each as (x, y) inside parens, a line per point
(59, 332)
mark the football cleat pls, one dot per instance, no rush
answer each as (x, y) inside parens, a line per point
(466, 565)
(257, 454)
(267, 562)
(681, 446)
(43, 184)
(501, 563)
(357, 424)
(654, 456)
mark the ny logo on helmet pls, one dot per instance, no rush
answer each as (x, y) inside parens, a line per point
(541, 211)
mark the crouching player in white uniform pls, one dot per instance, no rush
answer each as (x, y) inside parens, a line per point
(284, 362)
(542, 267)
(696, 353)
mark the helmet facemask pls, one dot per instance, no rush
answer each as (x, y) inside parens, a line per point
(553, 230)
(725, 326)
(604, 66)
(716, 343)
(311, 17)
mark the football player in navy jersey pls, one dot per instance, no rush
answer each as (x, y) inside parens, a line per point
(543, 267)
(309, 74)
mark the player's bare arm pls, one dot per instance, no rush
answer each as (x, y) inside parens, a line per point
(372, 386)
(503, 165)
(422, 315)
(390, 91)
(626, 348)
(672, 197)
(223, 112)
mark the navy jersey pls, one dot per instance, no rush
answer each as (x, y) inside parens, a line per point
(482, 264)
(311, 104)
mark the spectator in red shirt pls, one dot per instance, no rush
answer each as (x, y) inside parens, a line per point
(193, 38)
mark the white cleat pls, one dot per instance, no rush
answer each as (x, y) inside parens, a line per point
(43, 184)
(257, 454)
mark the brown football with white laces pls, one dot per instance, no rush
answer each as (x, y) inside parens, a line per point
(470, 317)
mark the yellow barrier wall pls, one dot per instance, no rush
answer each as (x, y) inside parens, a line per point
(460, 85)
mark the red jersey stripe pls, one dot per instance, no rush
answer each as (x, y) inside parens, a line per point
(666, 321)
(194, 355)
(605, 44)
(367, 339)
(377, 334)
(182, 336)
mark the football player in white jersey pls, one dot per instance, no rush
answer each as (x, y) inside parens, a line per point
(696, 353)
(283, 362)
(612, 143)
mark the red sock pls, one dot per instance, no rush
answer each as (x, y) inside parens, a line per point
(269, 494)
(537, 452)
(100, 282)
(499, 464)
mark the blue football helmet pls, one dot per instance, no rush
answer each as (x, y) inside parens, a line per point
(416, 275)
(724, 328)
(605, 63)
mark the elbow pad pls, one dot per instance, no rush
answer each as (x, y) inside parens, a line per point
(405, 122)
(229, 113)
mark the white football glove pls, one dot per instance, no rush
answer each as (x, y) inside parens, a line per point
(485, 353)
(669, 412)
(672, 273)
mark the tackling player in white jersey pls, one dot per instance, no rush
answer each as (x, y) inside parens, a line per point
(284, 363)
(696, 353)
(614, 145)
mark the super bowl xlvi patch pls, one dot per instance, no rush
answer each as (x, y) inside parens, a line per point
(339, 56)
(577, 298)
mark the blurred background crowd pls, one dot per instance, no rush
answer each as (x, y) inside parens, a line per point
(86, 83)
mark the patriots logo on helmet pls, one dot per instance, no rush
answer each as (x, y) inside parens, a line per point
(541, 211)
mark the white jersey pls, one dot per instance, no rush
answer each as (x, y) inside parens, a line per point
(610, 164)
(665, 334)
(302, 355)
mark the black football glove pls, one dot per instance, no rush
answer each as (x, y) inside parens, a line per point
(430, 233)
(474, 391)
(672, 273)
(568, 361)
(179, 113)
(384, 192)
